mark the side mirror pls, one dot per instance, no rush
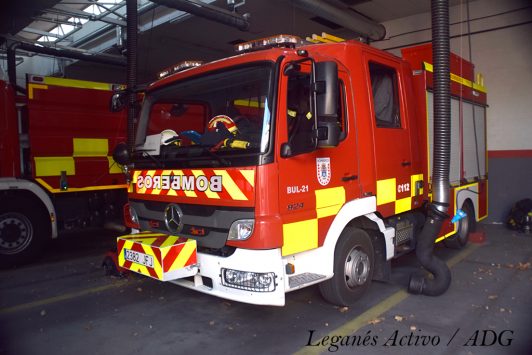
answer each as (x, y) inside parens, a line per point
(328, 133)
(286, 150)
(118, 101)
(326, 87)
(121, 154)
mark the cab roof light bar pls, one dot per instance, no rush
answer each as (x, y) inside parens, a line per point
(184, 65)
(286, 41)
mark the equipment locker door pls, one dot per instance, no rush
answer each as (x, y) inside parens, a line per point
(391, 134)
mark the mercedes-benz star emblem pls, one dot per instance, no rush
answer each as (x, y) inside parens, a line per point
(173, 218)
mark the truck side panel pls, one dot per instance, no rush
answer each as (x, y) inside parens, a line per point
(9, 139)
(468, 169)
(71, 130)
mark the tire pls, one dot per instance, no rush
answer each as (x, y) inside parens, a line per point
(110, 268)
(466, 225)
(353, 268)
(23, 231)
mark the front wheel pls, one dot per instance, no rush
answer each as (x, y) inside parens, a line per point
(22, 231)
(353, 268)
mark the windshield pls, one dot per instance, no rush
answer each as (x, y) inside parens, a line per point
(209, 119)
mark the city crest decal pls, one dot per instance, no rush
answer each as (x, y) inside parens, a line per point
(323, 170)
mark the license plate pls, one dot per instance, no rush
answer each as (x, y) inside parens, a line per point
(138, 258)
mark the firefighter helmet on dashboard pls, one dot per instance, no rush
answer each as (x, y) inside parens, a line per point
(226, 121)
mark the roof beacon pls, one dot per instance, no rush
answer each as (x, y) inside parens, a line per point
(187, 64)
(287, 41)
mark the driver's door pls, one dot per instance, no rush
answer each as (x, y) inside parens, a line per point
(312, 186)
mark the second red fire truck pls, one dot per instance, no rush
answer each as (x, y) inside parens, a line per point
(295, 164)
(56, 170)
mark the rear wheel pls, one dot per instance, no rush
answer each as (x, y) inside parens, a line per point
(23, 231)
(465, 226)
(353, 268)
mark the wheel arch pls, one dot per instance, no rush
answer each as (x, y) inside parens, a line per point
(466, 193)
(359, 213)
(371, 227)
(10, 187)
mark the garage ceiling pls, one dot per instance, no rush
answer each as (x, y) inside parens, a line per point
(168, 36)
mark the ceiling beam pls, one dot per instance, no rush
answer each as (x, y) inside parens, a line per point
(69, 11)
(42, 33)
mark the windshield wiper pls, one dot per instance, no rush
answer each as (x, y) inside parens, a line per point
(144, 153)
(200, 149)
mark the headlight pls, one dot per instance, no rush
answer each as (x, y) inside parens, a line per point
(249, 281)
(241, 229)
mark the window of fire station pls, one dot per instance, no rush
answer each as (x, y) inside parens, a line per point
(385, 95)
(300, 121)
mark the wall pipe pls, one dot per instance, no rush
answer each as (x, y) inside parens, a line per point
(12, 66)
(55, 52)
(345, 17)
(437, 209)
(131, 70)
(210, 12)
(72, 54)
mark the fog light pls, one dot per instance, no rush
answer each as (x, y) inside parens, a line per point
(249, 281)
(241, 229)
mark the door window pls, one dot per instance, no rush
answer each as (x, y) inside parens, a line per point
(385, 95)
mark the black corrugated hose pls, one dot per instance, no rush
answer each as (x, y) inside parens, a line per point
(210, 12)
(131, 45)
(437, 210)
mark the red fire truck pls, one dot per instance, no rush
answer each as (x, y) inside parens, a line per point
(295, 164)
(56, 170)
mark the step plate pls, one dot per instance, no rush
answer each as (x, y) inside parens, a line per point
(303, 279)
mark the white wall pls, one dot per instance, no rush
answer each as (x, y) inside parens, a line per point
(502, 55)
(38, 65)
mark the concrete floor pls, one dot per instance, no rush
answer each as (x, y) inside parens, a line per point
(62, 304)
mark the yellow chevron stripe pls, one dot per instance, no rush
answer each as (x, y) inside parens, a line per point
(184, 255)
(230, 186)
(187, 193)
(157, 267)
(141, 269)
(249, 175)
(170, 240)
(132, 185)
(208, 192)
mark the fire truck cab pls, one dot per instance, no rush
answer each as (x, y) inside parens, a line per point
(290, 165)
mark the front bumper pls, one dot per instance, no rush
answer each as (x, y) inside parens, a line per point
(146, 253)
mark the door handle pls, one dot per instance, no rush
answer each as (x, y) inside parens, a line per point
(406, 163)
(349, 178)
